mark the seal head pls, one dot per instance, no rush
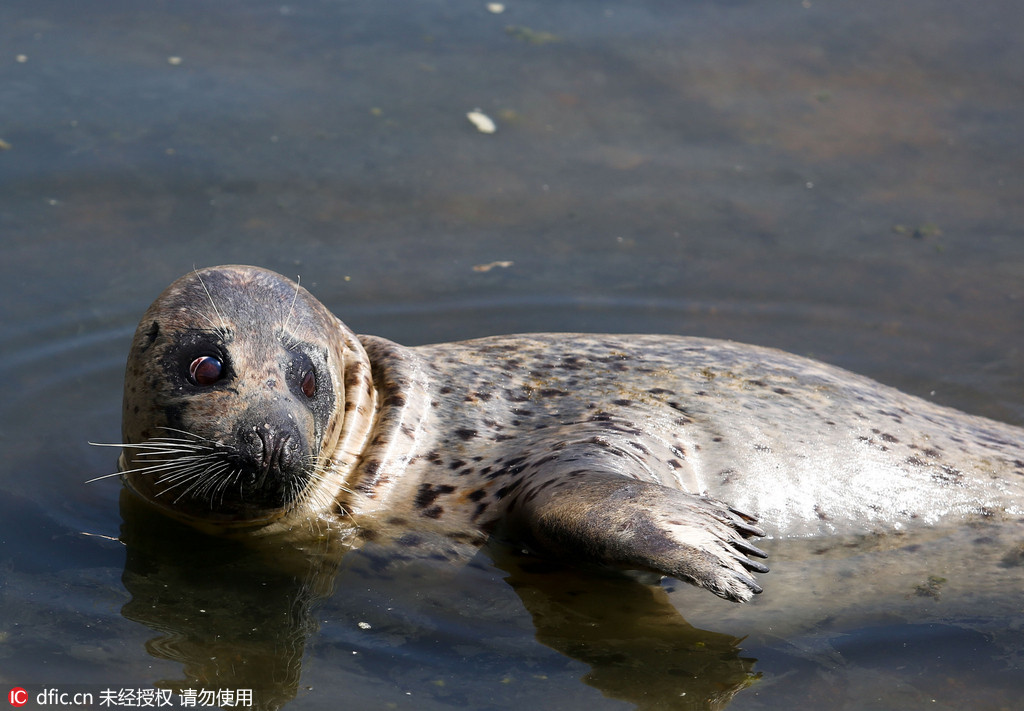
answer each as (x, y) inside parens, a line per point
(232, 394)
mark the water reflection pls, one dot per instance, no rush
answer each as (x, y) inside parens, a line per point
(638, 646)
(234, 616)
(240, 614)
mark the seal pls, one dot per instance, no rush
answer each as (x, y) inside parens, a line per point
(248, 405)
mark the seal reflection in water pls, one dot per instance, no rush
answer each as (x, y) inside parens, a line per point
(248, 405)
(263, 600)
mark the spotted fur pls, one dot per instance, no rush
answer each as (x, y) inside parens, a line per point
(645, 452)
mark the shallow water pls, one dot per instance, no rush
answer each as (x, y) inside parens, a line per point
(841, 180)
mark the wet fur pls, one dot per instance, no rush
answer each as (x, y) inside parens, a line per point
(633, 451)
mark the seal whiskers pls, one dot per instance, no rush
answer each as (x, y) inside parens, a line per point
(194, 463)
(324, 491)
(284, 334)
(219, 325)
(169, 447)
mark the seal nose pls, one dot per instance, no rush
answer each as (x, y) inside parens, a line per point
(274, 449)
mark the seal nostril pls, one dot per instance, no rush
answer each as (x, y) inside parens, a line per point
(276, 458)
(268, 448)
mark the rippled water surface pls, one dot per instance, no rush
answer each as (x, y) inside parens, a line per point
(841, 180)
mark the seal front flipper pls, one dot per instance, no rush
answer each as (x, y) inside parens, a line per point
(615, 520)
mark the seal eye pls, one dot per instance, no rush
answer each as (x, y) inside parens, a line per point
(205, 370)
(308, 385)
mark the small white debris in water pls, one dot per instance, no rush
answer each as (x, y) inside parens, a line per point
(496, 7)
(482, 121)
(364, 625)
(21, 58)
(491, 265)
(174, 61)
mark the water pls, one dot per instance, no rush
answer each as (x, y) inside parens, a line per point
(841, 180)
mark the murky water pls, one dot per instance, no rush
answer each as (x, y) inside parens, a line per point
(842, 180)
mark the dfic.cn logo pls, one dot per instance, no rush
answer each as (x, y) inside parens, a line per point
(18, 696)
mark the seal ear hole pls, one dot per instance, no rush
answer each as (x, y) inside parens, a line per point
(151, 333)
(205, 370)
